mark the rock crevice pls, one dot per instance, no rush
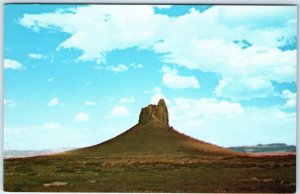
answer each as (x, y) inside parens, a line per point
(157, 112)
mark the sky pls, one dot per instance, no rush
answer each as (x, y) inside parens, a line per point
(77, 75)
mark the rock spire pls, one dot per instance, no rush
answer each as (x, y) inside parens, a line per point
(157, 112)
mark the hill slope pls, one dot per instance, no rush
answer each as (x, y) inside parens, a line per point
(151, 139)
(151, 136)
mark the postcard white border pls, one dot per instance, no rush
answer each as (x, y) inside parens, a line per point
(212, 2)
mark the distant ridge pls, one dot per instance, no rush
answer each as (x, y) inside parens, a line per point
(11, 153)
(152, 136)
(261, 148)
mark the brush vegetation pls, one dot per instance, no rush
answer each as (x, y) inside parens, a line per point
(206, 173)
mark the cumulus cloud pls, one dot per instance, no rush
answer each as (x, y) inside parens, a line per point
(290, 97)
(118, 68)
(36, 56)
(172, 80)
(244, 88)
(126, 100)
(251, 68)
(119, 111)
(218, 121)
(84, 24)
(81, 117)
(180, 42)
(53, 102)
(157, 95)
(12, 64)
(235, 23)
(206, 107)
(136, 66)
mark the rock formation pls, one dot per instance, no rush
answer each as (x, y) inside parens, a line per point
(152, 136)
(157, 112)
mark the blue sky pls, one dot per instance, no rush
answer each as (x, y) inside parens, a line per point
(76, 75)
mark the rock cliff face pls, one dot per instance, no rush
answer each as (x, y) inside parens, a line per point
(157, 112)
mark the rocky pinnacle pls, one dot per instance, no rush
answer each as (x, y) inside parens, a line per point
(157, 112)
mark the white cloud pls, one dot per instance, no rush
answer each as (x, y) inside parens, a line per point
(53, 102)
(172, 80)
(256, 64)
(220, 86)
(51, 126)
(244, 88)
(119, 111)
(183, 43)
(137, 66)
(118, 68)
(291, 98)
(12, 64)
(233, 16)
(126, 100)
(157, 95)
(81, 117)
(90, 103)
(84, 24)
(36, 56)
(156, 90)
(250, 69)
(206, 107)
(220, 122)
(10, 103)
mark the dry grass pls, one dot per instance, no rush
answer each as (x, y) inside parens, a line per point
(151, 174)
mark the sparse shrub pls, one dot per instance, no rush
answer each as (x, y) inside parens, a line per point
(24, 169)
(64, 170)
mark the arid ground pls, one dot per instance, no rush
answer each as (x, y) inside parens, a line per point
(152, 174)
